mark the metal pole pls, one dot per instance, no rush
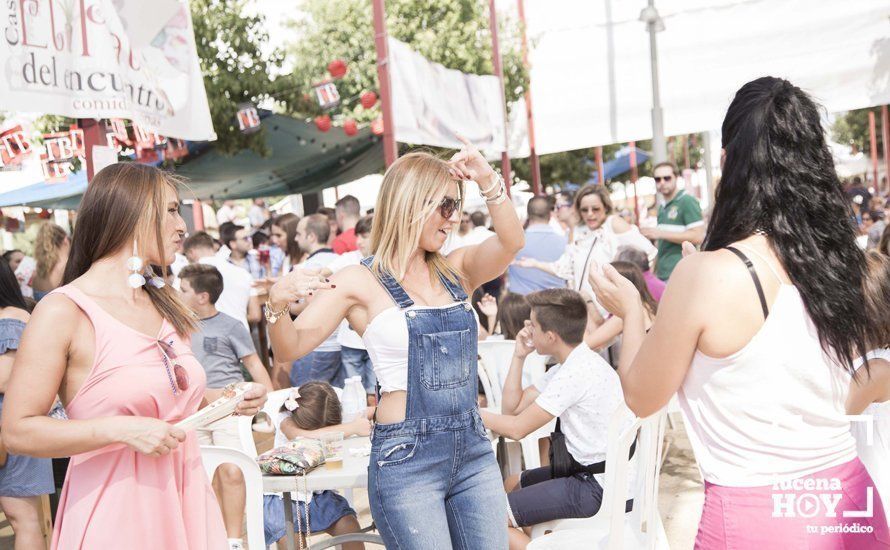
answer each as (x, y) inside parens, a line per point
(93, 134)
(873, 134)
(654, 24)
(885, 132)
(499, 72)
(633, 178)
(390, 151)
(534, 162)
(599, 166)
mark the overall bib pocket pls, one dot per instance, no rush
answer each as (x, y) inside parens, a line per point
(444, 361)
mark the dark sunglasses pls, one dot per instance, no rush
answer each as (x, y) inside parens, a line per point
(586, 209)
(176, 373)
(448, 207)
(665, 178)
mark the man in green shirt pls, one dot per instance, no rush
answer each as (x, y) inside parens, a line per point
(679, 219)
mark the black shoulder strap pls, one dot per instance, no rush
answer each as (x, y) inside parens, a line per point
(754, 276)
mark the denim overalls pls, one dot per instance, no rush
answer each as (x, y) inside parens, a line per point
(433, 482)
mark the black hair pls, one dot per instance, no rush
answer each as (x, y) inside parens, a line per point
(227, 232)
(779, 179)
(203, 278)
(10, 291)
(8, 254)
(478, 219)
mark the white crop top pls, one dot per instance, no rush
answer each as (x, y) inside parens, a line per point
(386, 339)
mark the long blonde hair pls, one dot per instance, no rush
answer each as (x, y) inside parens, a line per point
(412, 189)
(50, 238)
(126, 201)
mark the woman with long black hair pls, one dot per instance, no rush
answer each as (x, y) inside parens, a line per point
(23, 479)
(758, 334)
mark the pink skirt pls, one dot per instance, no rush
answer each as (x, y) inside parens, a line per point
(836, 508)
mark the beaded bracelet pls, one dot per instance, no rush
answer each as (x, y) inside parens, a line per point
(497, 181)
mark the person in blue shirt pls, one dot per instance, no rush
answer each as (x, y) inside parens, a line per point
(542, 243)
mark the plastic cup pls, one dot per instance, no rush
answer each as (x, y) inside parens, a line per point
(332, 443)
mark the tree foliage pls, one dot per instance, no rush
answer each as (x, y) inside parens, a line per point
(851, 129)
(454, 33)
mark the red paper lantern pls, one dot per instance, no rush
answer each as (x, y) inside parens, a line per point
(45, 214)
(368, 99)
(377, 126)
(337, 68)
(323, 123)
(350, 128)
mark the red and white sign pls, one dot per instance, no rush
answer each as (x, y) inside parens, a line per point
(327, 95)
(14, 146)
(248, 118)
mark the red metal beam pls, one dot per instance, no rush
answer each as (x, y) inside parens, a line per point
(390, 151)
(601, 179)
(534, 162)
(499, 72)
(885, 131)
(873, 135)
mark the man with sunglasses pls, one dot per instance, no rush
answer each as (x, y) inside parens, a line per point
(679, 219)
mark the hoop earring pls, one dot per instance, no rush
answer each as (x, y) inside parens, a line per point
(134, 264)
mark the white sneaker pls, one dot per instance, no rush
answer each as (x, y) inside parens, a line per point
(236, 544)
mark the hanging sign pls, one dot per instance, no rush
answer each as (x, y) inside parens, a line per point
(248, 118)
(327, 95)
(14, 147)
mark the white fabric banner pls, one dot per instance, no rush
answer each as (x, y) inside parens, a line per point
(590, 68)
(105, 59)
(431, 104)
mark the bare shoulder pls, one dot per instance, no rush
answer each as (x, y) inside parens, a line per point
(58, 312)
(355, 280)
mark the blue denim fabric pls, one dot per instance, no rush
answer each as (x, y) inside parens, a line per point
(325, 509)
(357, 362)
(323, 366)
(433, 481)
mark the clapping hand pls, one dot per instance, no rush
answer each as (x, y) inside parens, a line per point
(469, 164)
(488, 305)
(613, 291)
(296, 285)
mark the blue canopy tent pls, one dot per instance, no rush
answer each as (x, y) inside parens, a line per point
(48, 195)
(621, 163)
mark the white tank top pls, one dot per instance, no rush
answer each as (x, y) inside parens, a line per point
(875, 454)
(772, 411)
(386, 339)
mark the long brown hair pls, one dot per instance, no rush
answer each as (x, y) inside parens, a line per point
(318, 407)
(513, 311)
(50, 238)
(634, 274)
(288, 223)
(123, 202)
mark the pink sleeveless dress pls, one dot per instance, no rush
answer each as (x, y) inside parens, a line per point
(115, 497)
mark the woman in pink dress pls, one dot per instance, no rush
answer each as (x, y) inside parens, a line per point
(117, 353)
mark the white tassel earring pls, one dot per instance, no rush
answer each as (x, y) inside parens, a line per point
(134, 264)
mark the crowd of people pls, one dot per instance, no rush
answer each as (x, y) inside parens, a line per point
(127, 325)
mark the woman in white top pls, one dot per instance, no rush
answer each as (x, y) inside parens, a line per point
(870, 393)
(433, 481)
(758, 335)
(595, 242)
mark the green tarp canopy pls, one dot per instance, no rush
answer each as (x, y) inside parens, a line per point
(302, 159)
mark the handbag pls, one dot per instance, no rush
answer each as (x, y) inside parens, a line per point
(296, 458)
(563, 464)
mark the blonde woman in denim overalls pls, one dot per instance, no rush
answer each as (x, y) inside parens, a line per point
(433, 479)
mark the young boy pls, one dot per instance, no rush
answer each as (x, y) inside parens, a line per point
(582, 390)
(221, 344)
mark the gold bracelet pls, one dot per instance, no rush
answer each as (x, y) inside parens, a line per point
(272, 315)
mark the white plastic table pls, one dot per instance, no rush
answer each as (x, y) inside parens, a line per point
(353, 474)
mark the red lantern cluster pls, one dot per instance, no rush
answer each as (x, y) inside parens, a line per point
(350, 128)
(337, 68)
(377, 126)
(368, 99)
(323, 123)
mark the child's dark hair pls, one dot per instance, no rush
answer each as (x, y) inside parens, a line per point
(877, 298)
(513, 311)
(562, 311)
(203, 278)
(632, 273)
(318, 407)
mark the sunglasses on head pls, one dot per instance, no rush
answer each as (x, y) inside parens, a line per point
(176, 373)
(448, 207)
(665, 178)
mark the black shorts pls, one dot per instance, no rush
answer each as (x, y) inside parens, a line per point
(540, 497)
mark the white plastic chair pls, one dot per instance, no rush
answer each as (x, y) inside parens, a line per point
(611, 527)
(213, 457)
(274, 401)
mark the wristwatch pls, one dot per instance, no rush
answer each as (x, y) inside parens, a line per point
(271, 315)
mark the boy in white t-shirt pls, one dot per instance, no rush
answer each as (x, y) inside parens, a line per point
(582, 390)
